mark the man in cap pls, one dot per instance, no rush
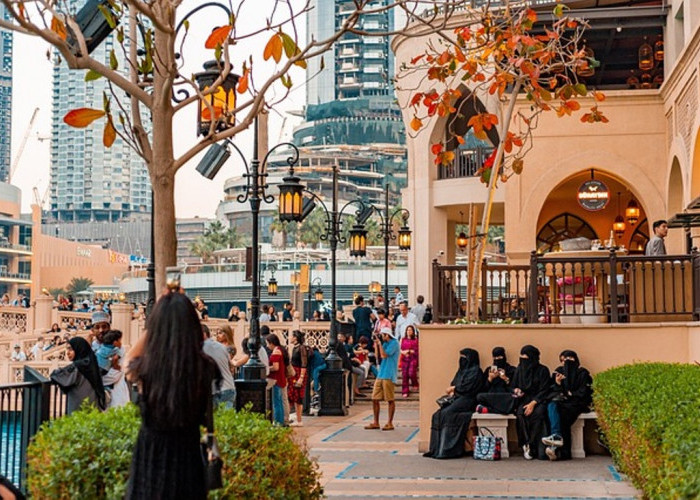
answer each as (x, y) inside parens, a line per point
(387, 348)
(100, 325)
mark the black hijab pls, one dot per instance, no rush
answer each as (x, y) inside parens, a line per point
(500, 363)
(86, 363)
(469, 378)
(526, 374)
(569, 369)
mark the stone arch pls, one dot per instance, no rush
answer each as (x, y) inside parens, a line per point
(675, 204)
(695, 168)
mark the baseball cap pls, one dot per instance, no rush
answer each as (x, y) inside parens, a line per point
(386, 330)
(100, 317)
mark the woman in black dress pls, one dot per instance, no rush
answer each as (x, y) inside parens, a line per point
(497, 398)
(449, 425)
(531, 387)
(174, 379)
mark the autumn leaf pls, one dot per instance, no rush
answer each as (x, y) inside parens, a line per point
(218, 37)
(416, 123)
(82, 117)
(417, 58)
(599, 96)
(109, 134)
(242, 86)
(206, 113)
(436, 148)
(273, 48)
(58, 27)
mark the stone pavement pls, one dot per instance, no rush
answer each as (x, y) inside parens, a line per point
(376, 465)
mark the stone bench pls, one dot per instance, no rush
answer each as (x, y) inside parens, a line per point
(498, 425)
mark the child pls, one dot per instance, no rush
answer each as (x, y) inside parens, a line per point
(109, 356)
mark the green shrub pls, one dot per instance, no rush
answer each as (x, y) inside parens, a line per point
(650, 415)
(88, 454)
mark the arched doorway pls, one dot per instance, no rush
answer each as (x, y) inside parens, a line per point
(695, 169)
(563, 227)
(675, 241)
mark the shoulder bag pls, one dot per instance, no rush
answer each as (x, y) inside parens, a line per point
(487, 446)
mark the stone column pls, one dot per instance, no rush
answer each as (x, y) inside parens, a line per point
(121, 320)
(43, 305)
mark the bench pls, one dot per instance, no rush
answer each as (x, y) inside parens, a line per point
(498, 425)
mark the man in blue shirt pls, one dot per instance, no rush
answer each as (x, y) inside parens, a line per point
(386, 348)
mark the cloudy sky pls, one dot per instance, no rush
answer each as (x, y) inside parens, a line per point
(195, 196)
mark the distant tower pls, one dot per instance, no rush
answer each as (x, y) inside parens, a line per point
(5, 97)
(88, 180)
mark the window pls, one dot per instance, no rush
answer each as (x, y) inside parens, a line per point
(563, 227)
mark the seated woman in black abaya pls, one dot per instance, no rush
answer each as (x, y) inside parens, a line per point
(531, 387)
(570, 395)
(497, 398)
(449, 425)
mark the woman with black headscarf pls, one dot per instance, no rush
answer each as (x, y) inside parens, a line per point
(497, 398)
(570, 395)
(81, 379)
(450, 423)
(530, 387)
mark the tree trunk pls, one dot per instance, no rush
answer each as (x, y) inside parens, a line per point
(164, 227)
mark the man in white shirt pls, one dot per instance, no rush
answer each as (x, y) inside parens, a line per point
(224, 391)
(18, 354)
(404, 319)
(399, 296)
(37, 349)
(419, 308)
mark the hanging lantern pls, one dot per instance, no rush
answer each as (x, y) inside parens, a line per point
(658, 79)
(585, 68)
(462, 241)
(619, 226)
(222, 101)
(358, 241)
(375, 287)
(404, 238)
(319, 294)
(291, 198)
(632, 212)
(272, 287)
(646, 56)
(632, 80)
(646, 81)
(659, 49)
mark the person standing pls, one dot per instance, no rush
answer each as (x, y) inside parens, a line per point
(100, 325)
(287, 312)
(363, 318)
(297, 384)
(81, 379)
(223, 389)
(409, 361)
(265, 314)
(387, 348)
(404, 319)
(419, 309)
(167, 459)
(278, 373)
(398, 296)
(656, 245)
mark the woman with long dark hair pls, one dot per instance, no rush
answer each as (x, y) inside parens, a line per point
(278, 373)
(449, 426)
(530, 387)
(174, 379)
(296, 389)
(81, 379)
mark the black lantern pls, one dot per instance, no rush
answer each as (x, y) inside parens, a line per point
(221, 101)
(291, 198)
(404, 238)
(358, 241)
(272, 287)
(319, 294)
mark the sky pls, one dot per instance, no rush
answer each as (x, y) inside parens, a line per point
(194, 195)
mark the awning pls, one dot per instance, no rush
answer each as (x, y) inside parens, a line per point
(685, 220)
(15, 222)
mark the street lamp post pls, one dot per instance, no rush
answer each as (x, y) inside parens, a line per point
(294, 207)
(318, 294)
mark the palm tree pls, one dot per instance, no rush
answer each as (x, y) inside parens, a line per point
(78, 285)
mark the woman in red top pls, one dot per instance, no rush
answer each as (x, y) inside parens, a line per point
(409, 360)
(278, 373)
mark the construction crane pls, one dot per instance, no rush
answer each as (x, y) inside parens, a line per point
(41, 200)
(20, 150)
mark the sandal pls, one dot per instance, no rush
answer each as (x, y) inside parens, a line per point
(388, 427)
(372, 426)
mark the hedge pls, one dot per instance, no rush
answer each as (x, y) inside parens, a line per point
(650, 416)
(88, 454)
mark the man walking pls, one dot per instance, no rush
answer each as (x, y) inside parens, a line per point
(656, 245)
(388, 350)
(363, 318)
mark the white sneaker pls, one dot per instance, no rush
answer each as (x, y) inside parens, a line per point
(313, 412)
(553, 440)
(296, 424)
(526, 452)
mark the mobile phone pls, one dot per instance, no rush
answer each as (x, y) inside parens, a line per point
(173, 276)
(494, 368)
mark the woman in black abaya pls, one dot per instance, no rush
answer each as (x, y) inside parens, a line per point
(531, 385)
(497, 397)
(449, 425)
(570, 395)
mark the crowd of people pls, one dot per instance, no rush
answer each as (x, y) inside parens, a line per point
(545, 404)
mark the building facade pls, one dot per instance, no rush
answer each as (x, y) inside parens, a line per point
(90, 182)
(5, 98)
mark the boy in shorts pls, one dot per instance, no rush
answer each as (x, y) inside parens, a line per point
(387, 349)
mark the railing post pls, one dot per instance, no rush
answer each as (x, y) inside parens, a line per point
(613, 286)
(696, 283)
(484, 290)
(532, 290)
(436, 294)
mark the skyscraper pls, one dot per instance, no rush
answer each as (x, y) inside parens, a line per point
(5, 98)
(88, 180)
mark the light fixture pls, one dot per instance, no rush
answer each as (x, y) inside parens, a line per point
(462, 240)
(585, 67)
(619, 223)
(646, 81)
(358, 241)
(290, 198)
(319, 294)
(222, 100)
(632, 212)
(404, 238)
(375, 287)
(645, 56)
(272, 286)
(659, 48)
(93, 24)
(213, 160)
(632, 80)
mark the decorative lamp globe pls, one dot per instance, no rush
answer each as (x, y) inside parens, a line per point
(462, 241)
(291, 198)
(375, 287)
(221, 101)
(632, 212)
(272, 287)
(404, 238)
(358, 241)
(619, 226)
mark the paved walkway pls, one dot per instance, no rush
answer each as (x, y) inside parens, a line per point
(379, 465)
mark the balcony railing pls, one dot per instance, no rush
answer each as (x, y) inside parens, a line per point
(465, 164)
(11, 246)
(609, 288)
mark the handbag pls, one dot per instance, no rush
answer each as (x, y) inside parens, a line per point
(213, 464)
(445, 401)
(487, 446)
(290, 371)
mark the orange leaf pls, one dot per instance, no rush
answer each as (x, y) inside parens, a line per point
(218, 37)
(417, 58)
(416, 99)
(273, 48)
(109, 134)
(59, 28)
(206, 114)
(243, 83)
(416, 123)
(436, 148)
(599, 96)
(82, 117)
